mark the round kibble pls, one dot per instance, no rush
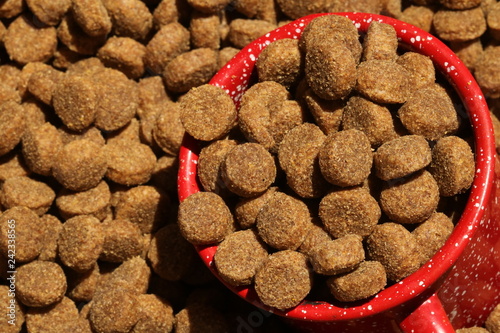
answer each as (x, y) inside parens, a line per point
(60, 317)
(492, 323)
(168, 130)
(124, 54)
(380, 42)
(12, 165)
(16, 309)
(247, 209)
(12, 125)
(40, 283)
(114, 311)
(94, 202)
(42, 84)
(75, 39)
(155, 315)
(316, 235)
(132, 275)
(281, 62)
(432, 233)
(27, 192)
(92, 17)
(204, 218)
(473, 24)
(420, 68)
(130, 18)
(122, 240)
(49, 12)
(244, 31)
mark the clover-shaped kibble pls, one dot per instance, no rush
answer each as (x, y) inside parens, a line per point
(284, 279)
(247, 209)
(401, 156)
(60, 317)
(239, 256)
(429, 112)
(396, 249)
(155, 314)
(412, 199)
(432, 233)
(248, 169)
(27, 192)
(95, 201)
(452, 165)
(207, 112)
(204, 218)
(283, 222)
(380, 42)
(210, 163)
(80, 242)
(346, 158)
(40, 283)
(349, 211)
(12, 125)
(366, 280)
(80, 165)
(114, 311)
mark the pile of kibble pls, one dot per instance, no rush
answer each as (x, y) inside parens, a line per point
(91, 96)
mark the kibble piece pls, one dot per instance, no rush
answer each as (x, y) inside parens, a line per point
(170, 41)
(283, 222)
(122, 240)
(131, 132)
(420, 68)
(80, 242)
(75, 39)
(132, 275)
(247, 209)
(80, 165)
(492, 323)
(280, 61)
(12, 125)
(51, 229)
(244, 31)
(29, 233)
(383, 81)
(49, 12)
(86, 66)
(124, 54)
(432, 233)
(486, 72)
(165, 174)
(226, 54)
(337, 256)
(42, 84)
(493, 21)
(366, 280)
(401, 156)
(373, 119)
(14, 309)
(419, 16)
(472, 24)
(204, 218)
(12, 165)
(396, 249)
(209, 165)
(207, 112)
(92, 17)
(114, 311)
(27, 192)
(130, 18)
(40, 283)
(75, 101)
(64, 57)
(474, 329)
(368, 6)
(11, 8)
(297, 9)
(346, 158)
(284, 279)
(36, 111)
(82, 286)
(8, 93)
(9, 74)
(94, 201)
(410, 200)
(380, 42)
(469, 52)
(239, 256)
(190, 69)
(452, 165)
(204, 29)
(349, 211)
(26, 42)
(155, 315)
(129, 163)
(198, 317)
(167, 11)
(59, 317)
(40, 145)
(460, 4)
(170, 255)
(92, 134)
(327, 114)
(208, 6)
(26, 72)
(248, 169)
(316, 235)
(429, 112)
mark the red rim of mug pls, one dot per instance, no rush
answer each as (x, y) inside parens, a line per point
(234, 77)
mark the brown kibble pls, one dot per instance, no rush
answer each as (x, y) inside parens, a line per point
(74, 38)
(210, 163)
(114, 311)
(27, 192)
(122, 240)
(283, 280)
(155, 315)
(29, 233)
(132, 275)
(124, 54)
(207, 112)
(327, 114)
(383, 81)
(316, 235)
(429, 112)
(12, 125)
(419, 16)
(130, 18)
(452, 165)
(64, 57)
(40, 145)
(16, 309)
(9, 73)
(26, 43)
(297, 9)
(165, 174)
(366, 280)
(239, 256)
(51, 229)
(82, 286)
(199, 317)
(469, 52)
(280, 61)
(129, 163)
(432, 234)
(401, 156)
(168, 11)
(131, 132)
(493, 21)
(40, 283)
(380, 42)
(244, 31)
(349, 211)
(42, 84)
(345, 159)
(170, 255)
(472, 24)
(80, 165)
(12, 165)
(396, 249)
(474, 329)
(59, 317)
(248, 170)
(247, 209)
(49, 12)
(91, 16)
(11, 8)
(86, 66)
(337, 256)
(147, 206)
(26, 72)
(283, 222)
(226, 54)
(420, 68)
(204, 29)
(208, 6)
(81, 242)
(492, 323)
(204, 218)
(486, 72)
(92, 134)
(410, 200)
(36, 111)
(8, 93)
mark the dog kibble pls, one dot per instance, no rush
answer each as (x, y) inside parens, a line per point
(247, 209)
(42, 84)
(284, 279)
(472, 330)
(280, 61)
(12, 165)
(327, 114)
(225, 55)
(92, 17)
(36, 111)
(16, 309)
(316, 235)
(204, 29)
(12, 125)
(366, 280)
(27, 192)
(122, 240)
(459, 25)
(82, 286)
(243, 31)
(380, 42)
(114, 311)
(124, 54)
(51, 229)
(49, 12)
(493, 321)
(130, 18)
(168, 130)
(204, 218)
(198, 317)
(469, 52)
(75, 39)
(432, 233)
(419, 16)
(40, 283)
(239, 256)
(155, 315)
(59, 317)
(39, 146)
(485, 71)
(210, 163)
(419, 67)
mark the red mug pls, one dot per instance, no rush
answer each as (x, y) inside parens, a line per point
(459, 286)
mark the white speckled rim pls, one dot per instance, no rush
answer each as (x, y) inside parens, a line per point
(235, 77)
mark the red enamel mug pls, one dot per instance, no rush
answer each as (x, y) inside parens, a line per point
(459, 286)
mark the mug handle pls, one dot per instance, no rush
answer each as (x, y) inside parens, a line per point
(429, 317)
